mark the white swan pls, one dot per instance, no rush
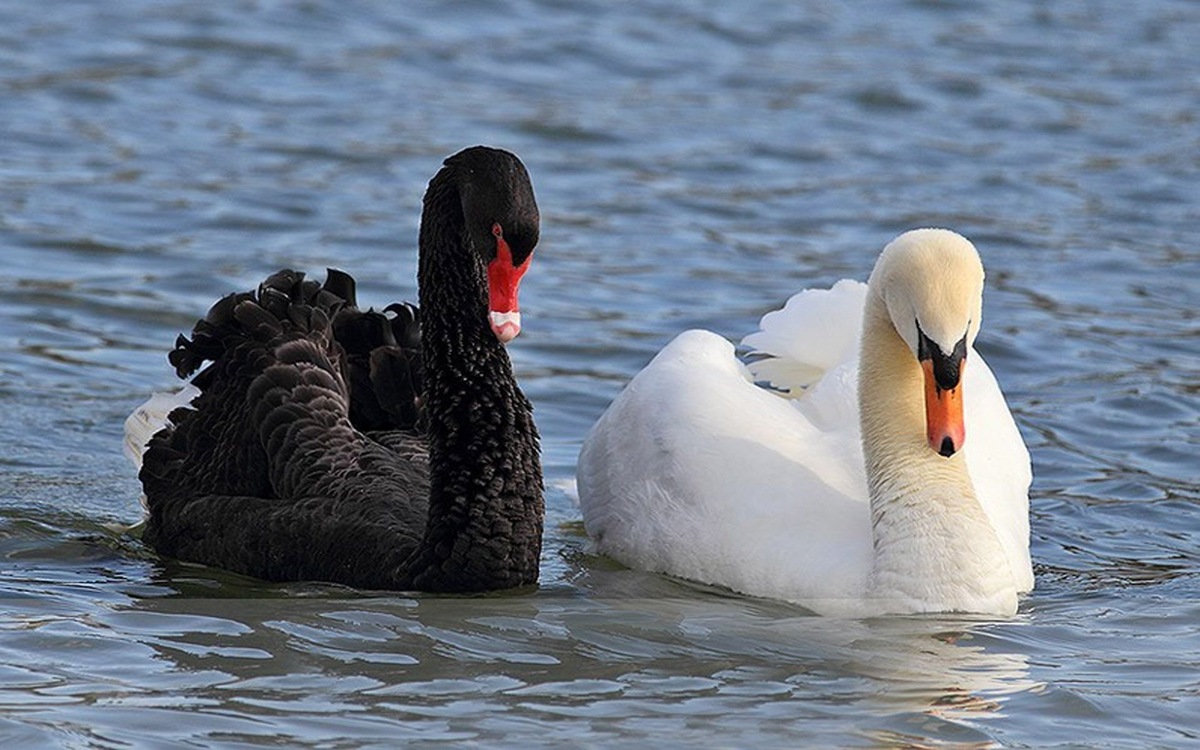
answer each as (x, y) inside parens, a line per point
(881, 472)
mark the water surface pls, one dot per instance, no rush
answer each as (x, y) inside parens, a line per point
(696, 163)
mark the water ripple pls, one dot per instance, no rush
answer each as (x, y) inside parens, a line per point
(696, 165)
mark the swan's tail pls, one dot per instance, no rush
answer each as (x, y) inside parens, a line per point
(816, 330)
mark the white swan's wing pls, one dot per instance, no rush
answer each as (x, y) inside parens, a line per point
(696, 472)
(998, 462)
(816, 330)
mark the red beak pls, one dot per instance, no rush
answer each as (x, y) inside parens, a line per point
(504, 311)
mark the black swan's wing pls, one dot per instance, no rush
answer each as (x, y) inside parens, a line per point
(385, 372)
(385, 375)
(268, 474)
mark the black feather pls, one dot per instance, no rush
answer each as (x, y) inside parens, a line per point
(378, 449)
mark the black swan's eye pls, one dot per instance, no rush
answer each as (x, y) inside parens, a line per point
(497, 230)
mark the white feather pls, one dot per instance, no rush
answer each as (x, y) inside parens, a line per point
(697, 472)
(151, 417)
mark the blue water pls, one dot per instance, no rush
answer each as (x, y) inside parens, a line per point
(696, 163)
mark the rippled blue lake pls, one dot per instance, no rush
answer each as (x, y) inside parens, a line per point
(696, 163)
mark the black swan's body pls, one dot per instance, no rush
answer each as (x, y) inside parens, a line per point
(371, 449)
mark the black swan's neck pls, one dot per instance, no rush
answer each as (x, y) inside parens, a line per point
(485, 497)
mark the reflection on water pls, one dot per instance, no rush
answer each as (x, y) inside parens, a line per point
(609, 657)
(695, 167)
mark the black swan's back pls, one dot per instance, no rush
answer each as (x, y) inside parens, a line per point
(267, 472)
(377, 449)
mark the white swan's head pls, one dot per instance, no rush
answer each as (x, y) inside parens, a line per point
(931, 281)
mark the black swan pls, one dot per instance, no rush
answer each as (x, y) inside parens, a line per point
(384, 450)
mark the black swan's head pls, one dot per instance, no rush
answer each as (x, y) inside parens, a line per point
(502, 221)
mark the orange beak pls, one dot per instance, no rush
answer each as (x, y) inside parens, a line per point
(943, 413)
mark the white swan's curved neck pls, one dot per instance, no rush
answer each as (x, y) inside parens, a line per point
(935, 549)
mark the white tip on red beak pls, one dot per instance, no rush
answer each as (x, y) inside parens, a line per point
(506, 325)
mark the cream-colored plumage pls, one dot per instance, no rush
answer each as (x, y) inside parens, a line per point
(822, 488)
